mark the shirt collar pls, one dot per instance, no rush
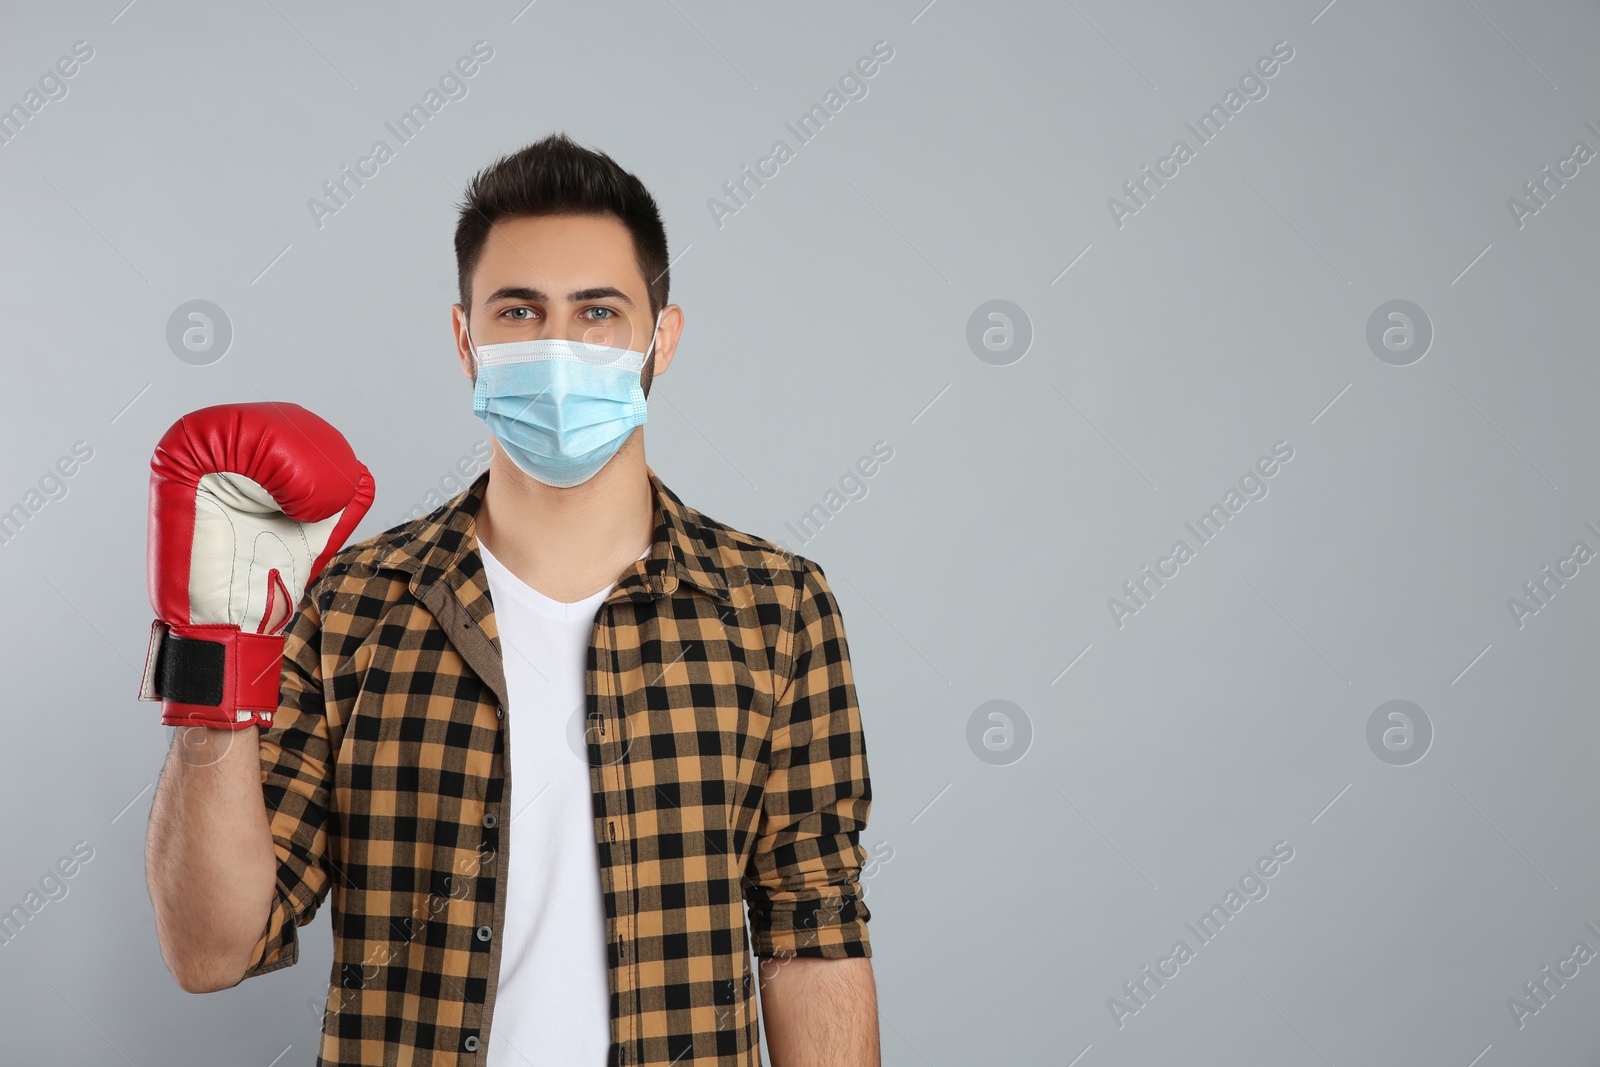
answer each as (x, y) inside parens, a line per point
(434, 546)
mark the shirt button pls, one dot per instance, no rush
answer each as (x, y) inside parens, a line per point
(490, 821)
(484, 933)
(471, 1043)
(499, 711)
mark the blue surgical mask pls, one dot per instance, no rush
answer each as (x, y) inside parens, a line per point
(560, 408)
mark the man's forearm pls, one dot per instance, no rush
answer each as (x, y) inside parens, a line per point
(209, 859)
(820, 1012)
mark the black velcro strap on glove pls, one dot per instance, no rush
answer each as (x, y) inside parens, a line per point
(191, 671)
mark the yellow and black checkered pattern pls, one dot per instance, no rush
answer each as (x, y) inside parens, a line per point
(726, 760)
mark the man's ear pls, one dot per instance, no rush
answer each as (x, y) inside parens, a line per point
(458, 330)
(666, 345)
(667, 337)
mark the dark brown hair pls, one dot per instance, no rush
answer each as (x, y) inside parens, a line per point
(558, 176)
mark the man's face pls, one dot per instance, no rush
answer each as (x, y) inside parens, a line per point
(563, 276)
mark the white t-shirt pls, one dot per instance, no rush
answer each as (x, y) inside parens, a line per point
(553, 1001)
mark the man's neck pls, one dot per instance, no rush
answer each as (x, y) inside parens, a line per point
(568, 543)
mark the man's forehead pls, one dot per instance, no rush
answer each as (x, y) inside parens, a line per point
(557, 254)
(602, 234)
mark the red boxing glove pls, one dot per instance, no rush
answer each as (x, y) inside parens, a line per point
(247, 504)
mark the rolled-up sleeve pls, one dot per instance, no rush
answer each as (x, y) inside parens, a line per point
(803, 884)
(295, 781)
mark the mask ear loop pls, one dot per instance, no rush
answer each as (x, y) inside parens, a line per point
(640, 401)
(480, 392)
(653, 333)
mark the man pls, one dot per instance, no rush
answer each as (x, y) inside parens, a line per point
(672, 700)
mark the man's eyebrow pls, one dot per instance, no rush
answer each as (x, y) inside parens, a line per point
(521, 292)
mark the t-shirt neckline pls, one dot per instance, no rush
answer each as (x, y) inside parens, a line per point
(544, 605)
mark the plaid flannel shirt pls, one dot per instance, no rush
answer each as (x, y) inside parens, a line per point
(726, 762)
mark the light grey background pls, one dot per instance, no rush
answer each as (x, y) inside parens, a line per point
(831, 312)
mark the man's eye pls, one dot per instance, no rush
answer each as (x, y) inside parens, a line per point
(513, 313)
(607, 312)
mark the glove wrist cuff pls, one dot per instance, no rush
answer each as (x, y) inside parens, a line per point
(212, 675)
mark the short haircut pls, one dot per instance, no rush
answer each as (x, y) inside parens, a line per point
(558, 176)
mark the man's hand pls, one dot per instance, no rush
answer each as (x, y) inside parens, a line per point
(820, 1012)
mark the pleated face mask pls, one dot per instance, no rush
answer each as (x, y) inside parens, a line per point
(560, 408)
